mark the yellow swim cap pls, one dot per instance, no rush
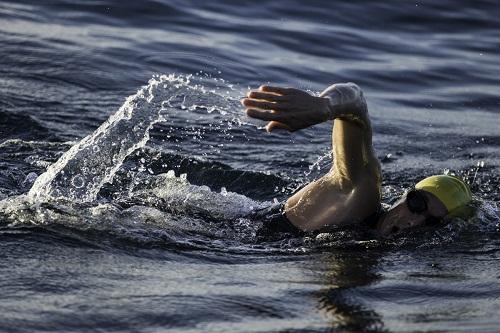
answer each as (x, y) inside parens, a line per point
(450, 190)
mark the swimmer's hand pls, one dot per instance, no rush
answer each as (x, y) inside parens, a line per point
(286, 108)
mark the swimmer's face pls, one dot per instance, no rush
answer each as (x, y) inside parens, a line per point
(415, 208)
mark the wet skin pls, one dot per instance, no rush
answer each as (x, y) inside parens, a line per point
(399, 217)
(350, 191)
(286, 108)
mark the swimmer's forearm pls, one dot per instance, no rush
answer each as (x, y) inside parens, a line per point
(352, 133)
(294, 109)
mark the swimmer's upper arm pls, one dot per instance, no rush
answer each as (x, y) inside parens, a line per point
(350, 192)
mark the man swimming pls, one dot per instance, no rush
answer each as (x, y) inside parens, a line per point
(350, 192)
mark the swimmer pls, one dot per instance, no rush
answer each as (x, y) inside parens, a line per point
(350, 193)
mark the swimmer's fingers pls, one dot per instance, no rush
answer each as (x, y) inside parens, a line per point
(263, 105)
(276, 124)
(277, 120)
(286, 108)
(279, 90)
(264, 115)
(254, 94)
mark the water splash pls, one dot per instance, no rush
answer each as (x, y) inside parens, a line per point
(80, 173)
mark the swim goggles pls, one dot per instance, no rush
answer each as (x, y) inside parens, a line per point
(416, 202)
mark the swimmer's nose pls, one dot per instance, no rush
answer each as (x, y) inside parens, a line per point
(387, 227)
(389, 230)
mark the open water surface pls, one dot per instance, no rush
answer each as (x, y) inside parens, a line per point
(123, 233)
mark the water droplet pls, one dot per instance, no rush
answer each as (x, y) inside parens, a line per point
(30, 179)
(223, 191)
(77, 181)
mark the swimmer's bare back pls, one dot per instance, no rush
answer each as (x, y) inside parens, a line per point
(350, 191)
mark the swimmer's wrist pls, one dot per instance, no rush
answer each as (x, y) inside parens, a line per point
(333, 103)
(328, 109)
(325, 109)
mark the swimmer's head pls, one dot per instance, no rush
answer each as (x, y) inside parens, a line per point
(428, 203)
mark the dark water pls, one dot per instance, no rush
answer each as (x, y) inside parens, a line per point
(160, 250)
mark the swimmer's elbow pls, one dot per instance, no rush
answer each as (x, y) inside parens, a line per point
(347, 102)
(341, 93)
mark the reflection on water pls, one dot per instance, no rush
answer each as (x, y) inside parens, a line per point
(345, 273)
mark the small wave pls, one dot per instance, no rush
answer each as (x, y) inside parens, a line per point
(18, 126)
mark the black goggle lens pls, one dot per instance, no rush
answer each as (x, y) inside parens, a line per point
(416, 202)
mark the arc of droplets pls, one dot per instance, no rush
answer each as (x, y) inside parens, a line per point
(80, 172)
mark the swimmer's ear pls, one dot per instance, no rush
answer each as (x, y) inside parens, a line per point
(275, 124)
